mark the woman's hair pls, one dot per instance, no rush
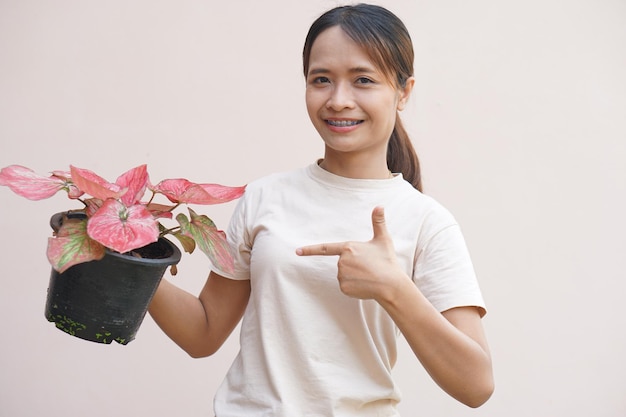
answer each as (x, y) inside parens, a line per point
(387, 42)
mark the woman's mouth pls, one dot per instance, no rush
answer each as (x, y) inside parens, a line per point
(343, 123)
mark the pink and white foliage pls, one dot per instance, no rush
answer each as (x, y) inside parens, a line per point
(134, 182)
(209, 239)
(26, 183)
(118, 219)
(72, 245)
(95, 185)
(183, 191)
(122, 228)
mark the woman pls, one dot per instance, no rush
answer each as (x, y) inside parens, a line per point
(333, 261)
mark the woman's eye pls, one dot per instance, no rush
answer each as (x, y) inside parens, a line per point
(320, 80)
(364, 80)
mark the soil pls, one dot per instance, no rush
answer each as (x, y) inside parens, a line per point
(156, 250)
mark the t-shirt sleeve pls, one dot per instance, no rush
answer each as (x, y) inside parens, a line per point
(444, 272)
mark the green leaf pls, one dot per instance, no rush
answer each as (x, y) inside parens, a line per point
(72, 245)
(188, 244)
(208, 238)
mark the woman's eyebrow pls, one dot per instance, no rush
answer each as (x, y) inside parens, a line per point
(367, 70)
(316, 71)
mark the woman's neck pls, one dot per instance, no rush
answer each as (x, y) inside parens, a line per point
(356, 170)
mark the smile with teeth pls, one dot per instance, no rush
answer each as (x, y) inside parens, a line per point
(344, 123)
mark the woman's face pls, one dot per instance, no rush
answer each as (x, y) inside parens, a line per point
(350, 101)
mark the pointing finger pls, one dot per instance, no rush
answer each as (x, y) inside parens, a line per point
(323, 249)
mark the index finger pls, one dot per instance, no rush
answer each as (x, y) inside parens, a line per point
(321, 249)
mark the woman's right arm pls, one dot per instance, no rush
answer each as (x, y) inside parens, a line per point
(200, 325)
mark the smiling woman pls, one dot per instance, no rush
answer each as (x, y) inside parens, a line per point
(517, 115)
(332, 259)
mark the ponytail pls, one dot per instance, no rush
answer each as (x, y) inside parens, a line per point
(401, 156)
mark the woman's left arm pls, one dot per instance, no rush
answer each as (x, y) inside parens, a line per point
(451, 345)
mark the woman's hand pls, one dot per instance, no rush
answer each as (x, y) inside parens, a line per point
(365, 270)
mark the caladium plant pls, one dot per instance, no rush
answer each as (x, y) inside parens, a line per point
(118, 218)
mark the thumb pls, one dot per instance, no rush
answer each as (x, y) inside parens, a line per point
(378, 222)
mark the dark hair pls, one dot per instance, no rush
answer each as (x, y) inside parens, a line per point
(387, 42)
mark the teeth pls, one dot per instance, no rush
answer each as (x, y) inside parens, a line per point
(343, 123)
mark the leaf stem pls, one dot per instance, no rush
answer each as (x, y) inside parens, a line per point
(171, 230)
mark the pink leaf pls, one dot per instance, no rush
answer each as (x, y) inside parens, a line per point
(135, 181)
(72, 246)
(223, 193)
(173, 189)
(122, 228)
(64, 175)
(184, 191)
(160, 211)
(92, 206)
(208, 238)
(73, 191)
(95, 185)
(26, 183)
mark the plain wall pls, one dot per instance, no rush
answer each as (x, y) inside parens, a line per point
(519, 117)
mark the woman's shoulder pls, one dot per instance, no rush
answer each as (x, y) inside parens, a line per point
(430, 209)
(275, 181)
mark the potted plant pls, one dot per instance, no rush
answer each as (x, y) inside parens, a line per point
(109, 255)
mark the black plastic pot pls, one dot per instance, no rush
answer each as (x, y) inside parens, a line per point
(106, 300)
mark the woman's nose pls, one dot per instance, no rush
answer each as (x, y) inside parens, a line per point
(340, 97)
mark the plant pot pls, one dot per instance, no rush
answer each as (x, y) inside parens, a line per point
(106, 300)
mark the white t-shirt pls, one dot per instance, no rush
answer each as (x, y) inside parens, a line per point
(306, 348)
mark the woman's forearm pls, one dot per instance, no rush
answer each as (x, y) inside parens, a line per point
(200, 325)
(181, 316)
(451, 346)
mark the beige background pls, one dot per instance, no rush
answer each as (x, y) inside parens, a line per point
(518, 116)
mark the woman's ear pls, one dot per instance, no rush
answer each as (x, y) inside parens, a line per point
(405, 93)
